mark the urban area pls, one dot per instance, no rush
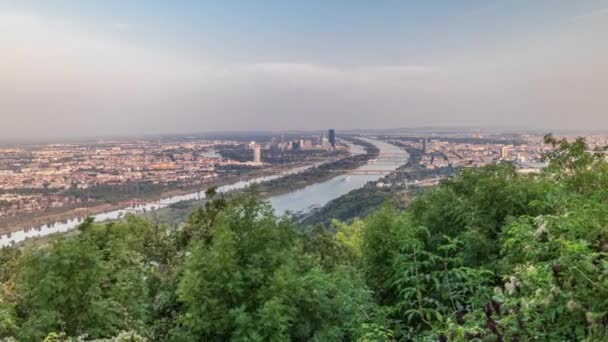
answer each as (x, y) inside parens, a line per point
(43, 178)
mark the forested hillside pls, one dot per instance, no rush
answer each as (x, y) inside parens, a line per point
(489, 255)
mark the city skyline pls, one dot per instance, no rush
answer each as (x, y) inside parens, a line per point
(121, 68)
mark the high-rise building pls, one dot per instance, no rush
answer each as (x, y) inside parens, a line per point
(332, 138)
(306, 144)
(257, 154)
(425, 145)
(504, 152)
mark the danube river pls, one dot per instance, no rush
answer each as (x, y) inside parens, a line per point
(317, 195)
(391, 157)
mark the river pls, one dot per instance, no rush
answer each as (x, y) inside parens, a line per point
(391, 157)
(317, 195)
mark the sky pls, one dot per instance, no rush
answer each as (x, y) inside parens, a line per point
(117, 67)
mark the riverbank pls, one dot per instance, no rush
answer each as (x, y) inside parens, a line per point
(13, 224)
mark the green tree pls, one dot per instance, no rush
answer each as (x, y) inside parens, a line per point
(92, 284)
(8, 325)
(10, 263)
(201, 221)
(253, 282)
(473, 206)
(381, 241)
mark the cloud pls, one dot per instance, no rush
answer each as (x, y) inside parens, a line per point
(16, 20)
(323, 75)
(122, 27)
(591, 15)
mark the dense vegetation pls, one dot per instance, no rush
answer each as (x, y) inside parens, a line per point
(489, 255)
(357, 203)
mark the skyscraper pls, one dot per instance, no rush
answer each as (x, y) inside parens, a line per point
(332, 138)
(425, 145)
(504, 152)
(257, 154)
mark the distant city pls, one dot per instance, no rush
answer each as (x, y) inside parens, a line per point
(41, 179)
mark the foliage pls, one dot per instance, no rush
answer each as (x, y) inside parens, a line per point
(7, 321)
(358, 203)
(381, 243)
(252, 282)
(91, 284)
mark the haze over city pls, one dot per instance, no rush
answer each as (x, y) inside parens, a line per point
(129, 67)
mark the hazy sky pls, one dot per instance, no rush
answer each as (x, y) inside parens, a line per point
(104, 67)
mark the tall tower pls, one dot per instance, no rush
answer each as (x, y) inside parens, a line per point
(504, 152)
(332, 138)
(257, 154)
(425, 145)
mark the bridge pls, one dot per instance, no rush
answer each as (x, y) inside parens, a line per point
(369, 172)
(386, 162)
(403, 154)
